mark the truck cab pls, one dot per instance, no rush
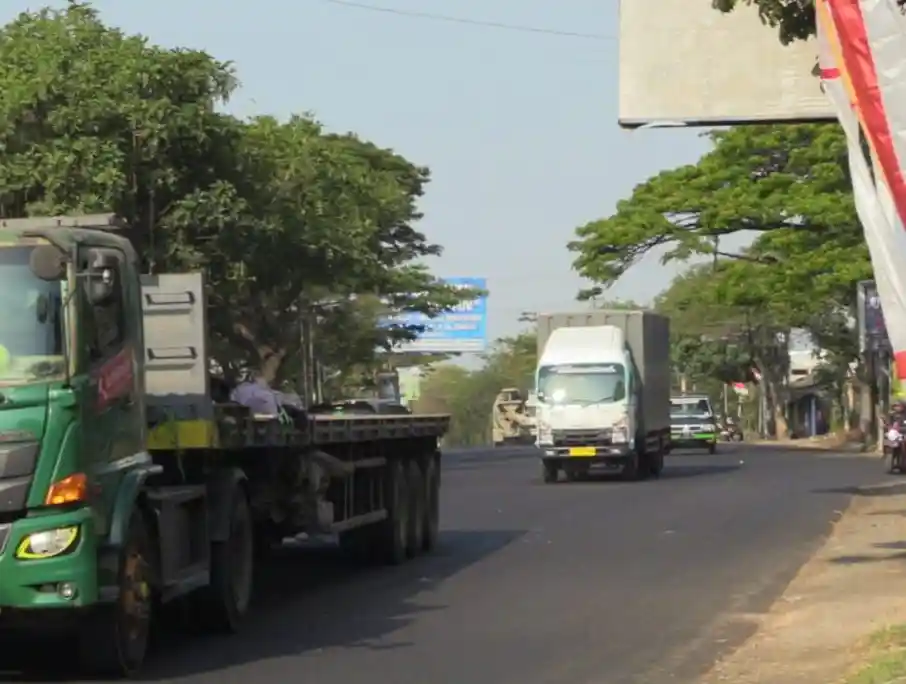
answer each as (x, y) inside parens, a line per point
(72, 414)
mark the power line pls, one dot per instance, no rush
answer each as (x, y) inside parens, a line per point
(469, 22)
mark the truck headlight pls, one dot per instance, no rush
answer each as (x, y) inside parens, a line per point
(545, 434)
(620, 435)
(48, 544)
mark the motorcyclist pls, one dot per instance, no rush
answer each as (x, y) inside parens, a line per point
(893, 443)
(897, 415)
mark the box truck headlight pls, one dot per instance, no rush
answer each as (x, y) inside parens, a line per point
(48, 544)
(620, 434)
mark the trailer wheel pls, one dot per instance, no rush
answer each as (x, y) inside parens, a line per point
(431, 520)
(418, 504)
(115, 639)
(225, 601)
(395, 528)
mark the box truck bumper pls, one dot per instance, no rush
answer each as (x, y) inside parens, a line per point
(613, 456)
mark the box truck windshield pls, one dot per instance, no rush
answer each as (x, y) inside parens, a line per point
(582, 383)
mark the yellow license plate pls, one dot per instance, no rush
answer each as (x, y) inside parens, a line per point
(583, 451)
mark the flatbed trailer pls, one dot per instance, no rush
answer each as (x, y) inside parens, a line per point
(124, 486)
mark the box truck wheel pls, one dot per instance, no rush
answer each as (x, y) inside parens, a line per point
(415, 484)
(223, 604)
(394, 530)
(114, 640)
(656, 462)
(431, 519)
(549, 471)
(632, 470)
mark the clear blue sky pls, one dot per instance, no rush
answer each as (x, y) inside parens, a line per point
(519, 129)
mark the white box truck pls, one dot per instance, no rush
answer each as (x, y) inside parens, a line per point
(603, 393)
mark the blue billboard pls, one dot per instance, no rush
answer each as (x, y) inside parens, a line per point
(463, 329)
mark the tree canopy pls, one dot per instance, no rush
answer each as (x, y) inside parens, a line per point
(788, 186)
(286, 219)
(793, 19)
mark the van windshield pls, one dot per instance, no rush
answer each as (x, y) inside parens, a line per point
(582, 383)
(31, 326)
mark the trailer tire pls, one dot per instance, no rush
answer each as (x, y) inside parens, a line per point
(108, 646)
(224, 603)
(394, 530)
(431, 520)
(418, 504)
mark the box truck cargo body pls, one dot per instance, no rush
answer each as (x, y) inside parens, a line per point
(603, 392)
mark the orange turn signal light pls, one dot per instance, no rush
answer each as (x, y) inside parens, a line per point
(68, 490)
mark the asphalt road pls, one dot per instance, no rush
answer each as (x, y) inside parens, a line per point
(575, 583)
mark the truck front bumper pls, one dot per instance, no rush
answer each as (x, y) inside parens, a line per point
(37, 586)
(699, 440)
(614, 455)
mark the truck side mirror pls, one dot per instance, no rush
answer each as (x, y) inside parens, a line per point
(47, 263)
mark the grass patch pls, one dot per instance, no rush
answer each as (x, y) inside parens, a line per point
(885, 658)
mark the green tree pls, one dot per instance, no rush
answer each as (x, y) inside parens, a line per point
(287, 221)
(790, 186)
(793, 19)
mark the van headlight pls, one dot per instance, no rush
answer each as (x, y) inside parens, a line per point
(48, 544)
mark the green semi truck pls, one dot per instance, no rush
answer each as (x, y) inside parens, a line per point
(124, 485)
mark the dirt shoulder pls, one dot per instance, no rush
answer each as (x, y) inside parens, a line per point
(820, 630)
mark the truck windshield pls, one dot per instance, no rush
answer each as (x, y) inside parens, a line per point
(31, 329)
(582, 383)
(702, 407)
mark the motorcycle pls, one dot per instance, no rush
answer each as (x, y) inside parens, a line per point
(730, 432)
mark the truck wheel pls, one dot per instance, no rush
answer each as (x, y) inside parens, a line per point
(431, 521)
(223, 604)
(632, 470)
(549, 472)
(712, 448)
(415, 484)
(395, 528)
(115, 639)
(656, 464)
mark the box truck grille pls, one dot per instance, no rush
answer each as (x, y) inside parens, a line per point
(568, 438)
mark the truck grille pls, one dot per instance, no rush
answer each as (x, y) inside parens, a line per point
(17, 468)
(568, 438)
(679, 429)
